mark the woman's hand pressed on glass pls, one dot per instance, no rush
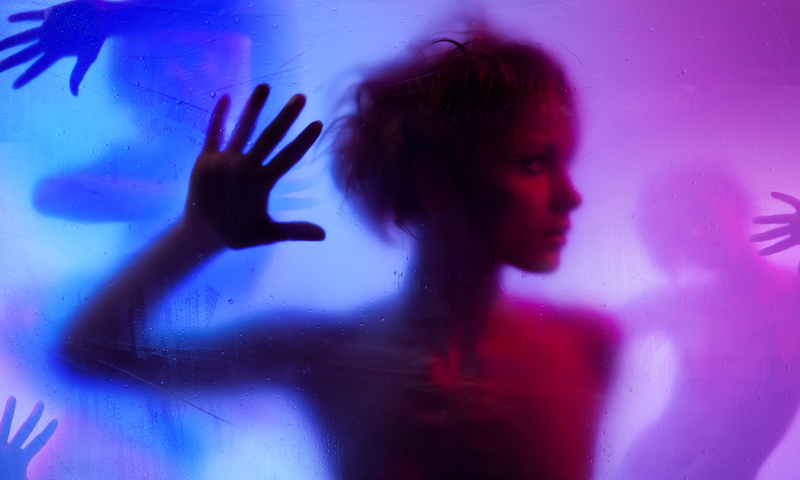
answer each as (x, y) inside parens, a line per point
(71, 29)
(790, 228)
(229, 188)
(14, 459)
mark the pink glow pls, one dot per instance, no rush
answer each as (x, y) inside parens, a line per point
(688, 116)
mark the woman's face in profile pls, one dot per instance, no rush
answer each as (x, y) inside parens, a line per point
(525, 192)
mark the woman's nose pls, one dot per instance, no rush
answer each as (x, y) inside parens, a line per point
(566, 198)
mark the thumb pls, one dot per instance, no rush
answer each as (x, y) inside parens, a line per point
(277, 232)
(302, 231)
(81, 67)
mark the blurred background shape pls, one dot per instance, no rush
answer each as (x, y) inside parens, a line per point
(731, 323)
(88, 179)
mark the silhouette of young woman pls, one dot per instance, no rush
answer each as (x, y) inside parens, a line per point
(466, 147)
(731, 321)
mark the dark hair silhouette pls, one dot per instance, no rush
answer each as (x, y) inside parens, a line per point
(442, 105)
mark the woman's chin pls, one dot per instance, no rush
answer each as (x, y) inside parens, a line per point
(540, 264)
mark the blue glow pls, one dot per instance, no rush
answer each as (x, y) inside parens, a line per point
(91, 179)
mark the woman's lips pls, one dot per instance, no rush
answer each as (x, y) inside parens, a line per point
(556, 240)
(557, 236)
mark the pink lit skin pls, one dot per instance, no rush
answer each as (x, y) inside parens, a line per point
(530, 192)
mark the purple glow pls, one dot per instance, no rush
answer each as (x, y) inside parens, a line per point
(688, 115)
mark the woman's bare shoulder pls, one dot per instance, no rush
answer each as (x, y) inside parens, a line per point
(589, 331)
(563, 317)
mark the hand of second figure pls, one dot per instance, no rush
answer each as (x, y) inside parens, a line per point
(14, 459)
(71, 29)
(229, 189)
(789, 227)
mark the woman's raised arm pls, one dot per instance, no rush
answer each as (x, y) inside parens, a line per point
(226, 208)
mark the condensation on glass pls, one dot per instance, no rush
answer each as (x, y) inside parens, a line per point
(569, 268)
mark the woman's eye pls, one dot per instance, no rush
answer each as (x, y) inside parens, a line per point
(536, 164)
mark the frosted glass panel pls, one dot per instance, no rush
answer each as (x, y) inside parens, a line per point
(560, 280)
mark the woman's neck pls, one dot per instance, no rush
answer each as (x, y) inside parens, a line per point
(454, 279)
(450, 299)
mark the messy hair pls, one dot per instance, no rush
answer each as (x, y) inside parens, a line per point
(443, 104)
